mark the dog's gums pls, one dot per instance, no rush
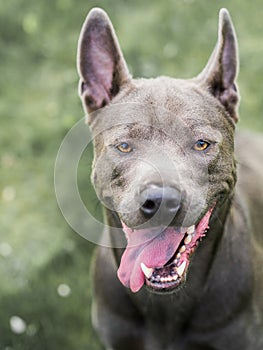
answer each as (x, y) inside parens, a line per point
(159, 259)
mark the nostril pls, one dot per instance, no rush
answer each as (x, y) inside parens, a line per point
(149, 205)
(172, 205)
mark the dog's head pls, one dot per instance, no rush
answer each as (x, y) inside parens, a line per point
(163, 150)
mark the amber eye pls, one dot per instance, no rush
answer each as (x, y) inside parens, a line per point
(201, 145)
(124, 147)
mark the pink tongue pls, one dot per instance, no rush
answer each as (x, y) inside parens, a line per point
(153, 247)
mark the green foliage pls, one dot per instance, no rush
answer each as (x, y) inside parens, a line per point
(39, 104)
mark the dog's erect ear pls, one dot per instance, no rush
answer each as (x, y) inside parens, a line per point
(101, 65)
(221, 71)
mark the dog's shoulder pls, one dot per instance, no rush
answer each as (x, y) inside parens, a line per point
(249, 152)
(249, 155)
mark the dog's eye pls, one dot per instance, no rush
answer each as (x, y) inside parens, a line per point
(201, 145)
(124, 147)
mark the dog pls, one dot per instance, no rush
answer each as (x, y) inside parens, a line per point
(182, 198)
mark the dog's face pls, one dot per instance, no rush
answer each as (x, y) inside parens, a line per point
(163, 150)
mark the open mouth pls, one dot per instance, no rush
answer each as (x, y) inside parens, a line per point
(174, 271)
(160, 257)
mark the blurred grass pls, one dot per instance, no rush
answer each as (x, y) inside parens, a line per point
(39, 104)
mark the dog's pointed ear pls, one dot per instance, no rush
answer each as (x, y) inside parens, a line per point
(101, 65)
(219, 75)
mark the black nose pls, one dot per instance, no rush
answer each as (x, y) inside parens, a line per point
(164, 200)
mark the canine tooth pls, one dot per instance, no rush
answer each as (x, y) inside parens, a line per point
(187, 239)
(182, 249)
(181, 268)
(191, 229)
(146, 270)
(178, 255)
(175, 277)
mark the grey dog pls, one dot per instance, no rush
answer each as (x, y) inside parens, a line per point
(183, 209)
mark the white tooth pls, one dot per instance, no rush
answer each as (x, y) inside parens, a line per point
(182, 249)
(146, 270)
(181, 268)
(187, 239)
(178, 255)
(191, 229)
(175, 277)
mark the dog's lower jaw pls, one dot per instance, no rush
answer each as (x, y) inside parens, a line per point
(174, 274)
(160, 257)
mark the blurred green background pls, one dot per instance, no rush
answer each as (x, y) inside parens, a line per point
(44, 265)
